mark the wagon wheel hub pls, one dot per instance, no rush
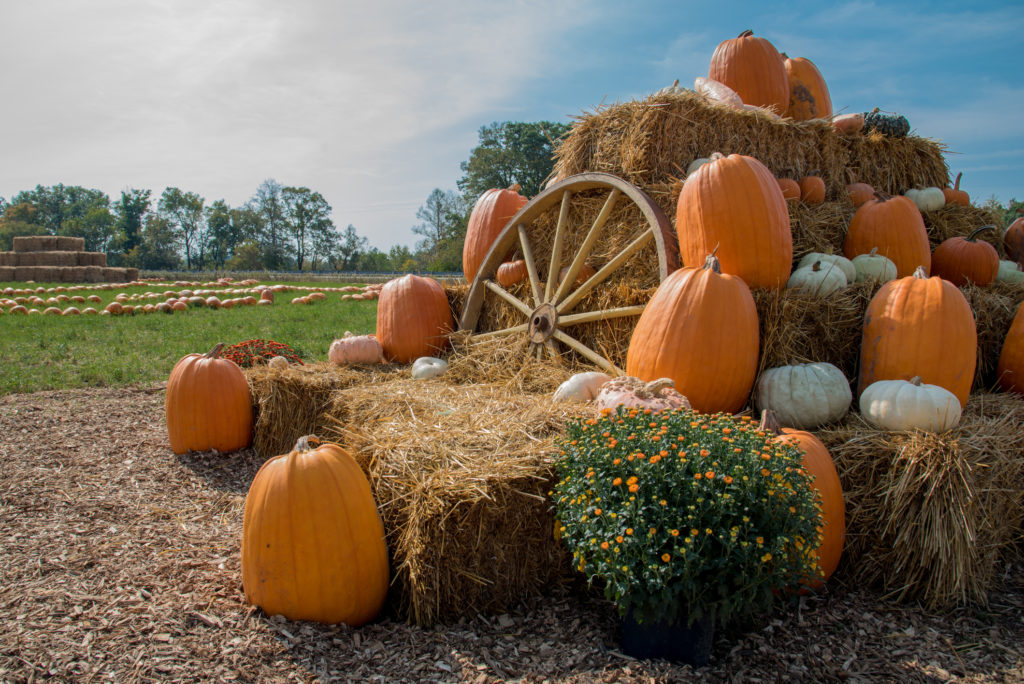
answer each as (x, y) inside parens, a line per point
(543, 323)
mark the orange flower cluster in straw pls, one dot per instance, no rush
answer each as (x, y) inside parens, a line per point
(680, 513)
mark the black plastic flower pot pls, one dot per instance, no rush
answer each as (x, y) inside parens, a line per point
(675, 641)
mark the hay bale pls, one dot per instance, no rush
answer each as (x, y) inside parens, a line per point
(460, 475)
(91, 259)
(652, 141)
(93, 274)
(994, 307)
(69, 244)
(9, 258)
(507, 363)
(7, 274)
(929, 516)
(291, 402)
(130, 274)
(819, 227)
(34, 243)
(24, 273)
(56, 258)
(955, 220)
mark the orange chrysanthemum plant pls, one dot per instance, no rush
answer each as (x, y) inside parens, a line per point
(680, 514)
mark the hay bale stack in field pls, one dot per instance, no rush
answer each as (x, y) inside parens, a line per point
(930, 516)
(652, 142)
(60, 259)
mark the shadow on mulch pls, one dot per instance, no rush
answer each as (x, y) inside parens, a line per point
(231, 472)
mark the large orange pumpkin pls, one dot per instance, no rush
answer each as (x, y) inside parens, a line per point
(1010, 371)
(734, 205)
(818, 463)
(893, 225)
(754, 69)
(808, 92)
(919, 327)
(963, 260)
(208, 405)
(413, 318)
(700, 329)
(312, 541)
(1013, 240)
(490, 214)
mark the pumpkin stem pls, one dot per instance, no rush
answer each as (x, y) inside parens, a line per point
(514, 187)
(215, 352)
(770, 423)
(916, 381)
(711, 262)
(306, 443)
(882, 196)
(919, 272)
(675, 84)
(956, 186)
(873, 252)
(655, 386)
(746, 34)
(972, 237)
(816, 267)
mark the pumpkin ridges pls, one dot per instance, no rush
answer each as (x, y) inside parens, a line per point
(752, 67)
(492, 211)
(893, 225)
(961, 260)
(808, 92)
(1010, 369)
(413, 318)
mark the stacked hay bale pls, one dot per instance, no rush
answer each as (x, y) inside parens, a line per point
(59, 259)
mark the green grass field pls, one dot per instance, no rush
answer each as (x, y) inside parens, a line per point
(57, 352)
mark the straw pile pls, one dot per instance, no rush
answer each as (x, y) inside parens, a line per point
(929, 516)
(955, 220)
(460, 474)
(652, 142)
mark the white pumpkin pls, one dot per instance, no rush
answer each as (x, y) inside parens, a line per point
(909, 405)
(838, 259)
(356, 349)
(625, 390)
(581, 387)
(928, 199)
(819, 280)
(804, 395)
(674, 89)
(874, 267)
(427, 367)
(716, 91)
(1009, 272)
(277, 362)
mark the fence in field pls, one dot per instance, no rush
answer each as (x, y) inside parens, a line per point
(446, 277)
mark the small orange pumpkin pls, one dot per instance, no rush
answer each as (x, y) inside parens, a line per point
(1013, 240)
(859, 193)
(511, 272)
(312, 540)
(955, 195)
(963, 260)
(812, 189)
(790, 188)
(1010, 371)
(894, 225)
(207, 404)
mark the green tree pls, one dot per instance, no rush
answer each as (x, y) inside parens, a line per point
(59, 204)
(269, 207)
(18, 220)
(184, 213)
(400, 256)
(224, 232)
(98, 227)
(158, 248)
(374, 260)
(307, 215)
(248, 257)
(444, 218)
(131, 210)
(350, 249)
(511, 152)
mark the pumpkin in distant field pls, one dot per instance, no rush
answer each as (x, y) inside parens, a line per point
(808, 92)
(491, 212)
(751, 66)
(208, 405)
(963, 260)
(893, 226)
(818, 463)
(923, 327)
(1010, 371)
(955, 195)
(733, 206)
(700, 329)
(267, 295)
(910, 405)
(511, 272)
(312, 540)
(414, 318)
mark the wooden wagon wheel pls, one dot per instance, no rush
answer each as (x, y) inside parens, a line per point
(547, 306)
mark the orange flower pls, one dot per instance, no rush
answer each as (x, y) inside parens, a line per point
(710, 474)
(665, 557)
(597, 511)
(674, 533)
(705, 452)
(617, 461)
(728, 479)
(629, 531)
(619, 539)
(604, 545)
(617, 481)
(697, 476)
(634, 487)
(765, 472)
(631, 480)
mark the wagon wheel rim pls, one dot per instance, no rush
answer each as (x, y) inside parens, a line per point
(549, 307)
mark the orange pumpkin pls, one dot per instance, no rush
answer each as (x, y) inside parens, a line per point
(207, 404)
(733, 206)
(312, 540)
(700, 329)
(859, 193)
(491, 212)
(808, 92)
(818, 463)
(893, 225)
(511, 272)
(919, 327)
(1013, 240)
(966, 260)
(848, 124)
(1010, 371)
(790, 188)
(754, 69)
(955, 195)
(586, 270)
(413, 318)
(812, 189)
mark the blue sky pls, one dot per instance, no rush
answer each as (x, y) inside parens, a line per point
(376, 104)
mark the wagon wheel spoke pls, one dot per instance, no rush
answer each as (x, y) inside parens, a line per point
(507, 296)
(586, 351)
(602, 315)
(604, 272)
(505, 331)
(587, 247)
(556, 245)
(552, 349)
(531, 268)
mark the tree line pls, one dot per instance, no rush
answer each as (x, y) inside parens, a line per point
(280, 227)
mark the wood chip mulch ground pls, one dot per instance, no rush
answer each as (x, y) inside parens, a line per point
(120, 561)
